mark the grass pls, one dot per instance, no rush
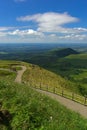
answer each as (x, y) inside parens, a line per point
(69, 67)
(80, 62)
(8, 64)
(37, 76)
(31, 110)
(65, 93)
(4, 74)
(72, 68)
(7, 68)
(78, 56)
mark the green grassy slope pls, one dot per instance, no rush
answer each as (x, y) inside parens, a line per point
(22, 108)
(79, 63)
(79, 56)
(37, 76)
(29, 110)
(10, 73)
(72, 68)
(8, 63)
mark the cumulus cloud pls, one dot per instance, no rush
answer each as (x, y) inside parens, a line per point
(50, 21)
(74, 37)
(49, 27)
(70, 30)
(22, 34)
(27, 32)
(53, 23)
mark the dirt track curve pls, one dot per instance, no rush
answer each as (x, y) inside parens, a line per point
(19, 74)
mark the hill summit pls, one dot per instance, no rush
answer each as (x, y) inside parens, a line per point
(63, 52)
(51, 57)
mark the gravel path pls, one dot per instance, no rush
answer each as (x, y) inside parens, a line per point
(81, 109)
(19, 74)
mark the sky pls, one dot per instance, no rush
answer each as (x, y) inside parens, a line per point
(43, 21)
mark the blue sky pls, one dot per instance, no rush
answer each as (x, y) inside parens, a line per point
(43, 21)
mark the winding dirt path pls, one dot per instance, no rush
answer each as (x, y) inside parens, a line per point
(81, 109)
(19, 74)
(18, 78)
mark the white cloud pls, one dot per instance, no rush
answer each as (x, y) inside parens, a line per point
(17, 35)
(70, 30)
(12, 34)
(3, 28)
(27, 32)
(74, 37)
(50, 28)
(50, 21)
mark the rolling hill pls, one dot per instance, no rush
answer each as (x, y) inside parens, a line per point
(63, 52)
(67, 63)
(50, 57)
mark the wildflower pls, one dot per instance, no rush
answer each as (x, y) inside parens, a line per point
(51, 118)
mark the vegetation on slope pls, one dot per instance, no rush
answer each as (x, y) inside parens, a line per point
(62, 52)
(51, 56)
(8, 64)
(37, 76)
(72, 68)
(8, 69)
(29, 110)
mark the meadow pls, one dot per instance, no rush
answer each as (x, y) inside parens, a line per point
(72, 68)
(30, 110)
